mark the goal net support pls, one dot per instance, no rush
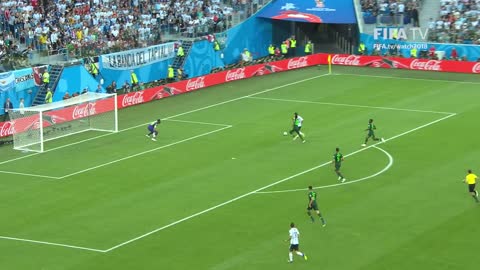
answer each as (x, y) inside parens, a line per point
(36, 125)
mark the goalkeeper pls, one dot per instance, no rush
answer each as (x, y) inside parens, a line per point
(297, 126)
(152, 128)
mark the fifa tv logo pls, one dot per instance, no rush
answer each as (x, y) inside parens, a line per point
(400, 33)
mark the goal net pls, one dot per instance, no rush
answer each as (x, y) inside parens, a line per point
(90, 111)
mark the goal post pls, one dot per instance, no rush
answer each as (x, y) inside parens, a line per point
(33, 126)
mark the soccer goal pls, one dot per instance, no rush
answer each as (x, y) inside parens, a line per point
(36, 125)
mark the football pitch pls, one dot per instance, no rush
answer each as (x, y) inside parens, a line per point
(220, 186)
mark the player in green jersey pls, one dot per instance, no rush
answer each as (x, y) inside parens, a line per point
(337, 162)
(371, 132)
(312, 205)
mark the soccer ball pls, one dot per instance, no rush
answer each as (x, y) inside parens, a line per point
(285, 133)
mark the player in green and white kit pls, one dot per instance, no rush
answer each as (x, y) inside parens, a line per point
(337, 162)
(297, 126)
(371, 133)
(312, 205)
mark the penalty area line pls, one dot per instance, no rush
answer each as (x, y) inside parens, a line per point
(386, 168)
(351, 105)
(50, 244)
(170, 118)
(144, 152)
(264, 188)
(30, 175)
(198, 123)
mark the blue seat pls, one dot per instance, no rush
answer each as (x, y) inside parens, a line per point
(370, 20)
(386, 20)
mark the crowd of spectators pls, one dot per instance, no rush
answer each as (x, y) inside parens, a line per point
(107, 25)
(10, 53)
(391, 11)
(459, 22)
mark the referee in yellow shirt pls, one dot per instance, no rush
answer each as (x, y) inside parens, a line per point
(471, 179)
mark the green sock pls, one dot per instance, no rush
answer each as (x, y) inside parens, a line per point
(311, 217)
(475, 197)
(321, 218)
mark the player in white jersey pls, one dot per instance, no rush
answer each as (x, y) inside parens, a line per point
(297, 126)
(294, 243)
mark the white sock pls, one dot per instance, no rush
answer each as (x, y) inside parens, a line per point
(299, 253)
(296, 136)
(290, 255)
(301, 133)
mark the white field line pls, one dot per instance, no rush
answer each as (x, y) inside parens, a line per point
(61, 177)
(166, 118)
(268, 186)
(50, 243)
(29, 174)
(402, 78)
(144, 152)
(350, 105)
(196, 122)
(247, 96)
(390, 163)
(18, 158)
(222, 204)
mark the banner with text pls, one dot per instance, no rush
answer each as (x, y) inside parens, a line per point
(406, 63)
(137, 58)
(19, 84)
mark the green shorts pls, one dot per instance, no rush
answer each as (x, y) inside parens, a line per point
(337, 166)
(313, 207)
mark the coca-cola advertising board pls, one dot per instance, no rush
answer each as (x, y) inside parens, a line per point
(56, 117)
(193, 84)
(406, 63)
(135, 98)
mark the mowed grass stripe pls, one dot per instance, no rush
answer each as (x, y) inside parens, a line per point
(367, 221)
(132, 143)
(166, 118)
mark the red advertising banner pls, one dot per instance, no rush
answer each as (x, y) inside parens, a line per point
(51, 118)
(134, 98)
(194, 84)
(406, 63)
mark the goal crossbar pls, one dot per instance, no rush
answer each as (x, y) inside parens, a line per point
(33, 126)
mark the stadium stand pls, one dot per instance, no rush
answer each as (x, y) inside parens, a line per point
(79, 30)
(458, 22)
(393, 12)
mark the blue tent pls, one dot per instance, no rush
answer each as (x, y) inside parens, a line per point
(313, 11)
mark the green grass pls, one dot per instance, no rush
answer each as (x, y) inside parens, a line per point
(116, 188)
